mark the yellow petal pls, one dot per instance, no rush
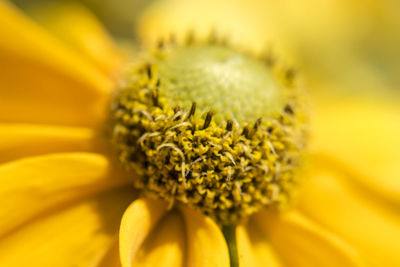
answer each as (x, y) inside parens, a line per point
(24, 140)
(33, 186)
(76, 25)
(166, 245)
(373, 229)
(301, 242)
(43, 81)
(363, 134)
(78, 235)
(206, 243)
(111, 257)
(253, 248)
(138, 221)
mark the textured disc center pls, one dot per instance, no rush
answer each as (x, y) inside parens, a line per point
(164, 131)
(233, 85)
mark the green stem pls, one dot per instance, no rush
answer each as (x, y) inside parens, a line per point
(230, 237)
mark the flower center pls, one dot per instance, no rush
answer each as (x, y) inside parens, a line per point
(209, 127)
(233, 85)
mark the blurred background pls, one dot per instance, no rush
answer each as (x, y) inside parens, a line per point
(346, 46)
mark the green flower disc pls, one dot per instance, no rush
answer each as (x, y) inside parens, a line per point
(233, 85)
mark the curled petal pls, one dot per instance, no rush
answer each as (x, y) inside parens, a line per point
(254, 249)
(137, 223)
(166, 245)
(206, 243)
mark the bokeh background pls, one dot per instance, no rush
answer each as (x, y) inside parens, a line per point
(342, 46)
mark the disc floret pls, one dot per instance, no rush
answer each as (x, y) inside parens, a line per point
(210, 127)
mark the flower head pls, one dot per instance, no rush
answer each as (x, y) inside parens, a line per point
(66, 201)
(210, 127)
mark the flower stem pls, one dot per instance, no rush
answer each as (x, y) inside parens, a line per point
(229, 232)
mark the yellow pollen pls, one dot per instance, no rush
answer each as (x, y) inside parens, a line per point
(210, 127)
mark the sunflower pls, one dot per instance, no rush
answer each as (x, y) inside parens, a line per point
(67, 201)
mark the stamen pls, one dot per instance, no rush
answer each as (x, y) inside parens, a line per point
(176, 109)
(154, 97)
(229, 125)
(288, 109)
(290, 75)
(148, 71)
(269, 58)
(192, 110)
(245, 131)
(208, 119)
(257, 124)
(160, 44)
(227, 147)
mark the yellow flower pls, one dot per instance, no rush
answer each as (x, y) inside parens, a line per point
(65, 202)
